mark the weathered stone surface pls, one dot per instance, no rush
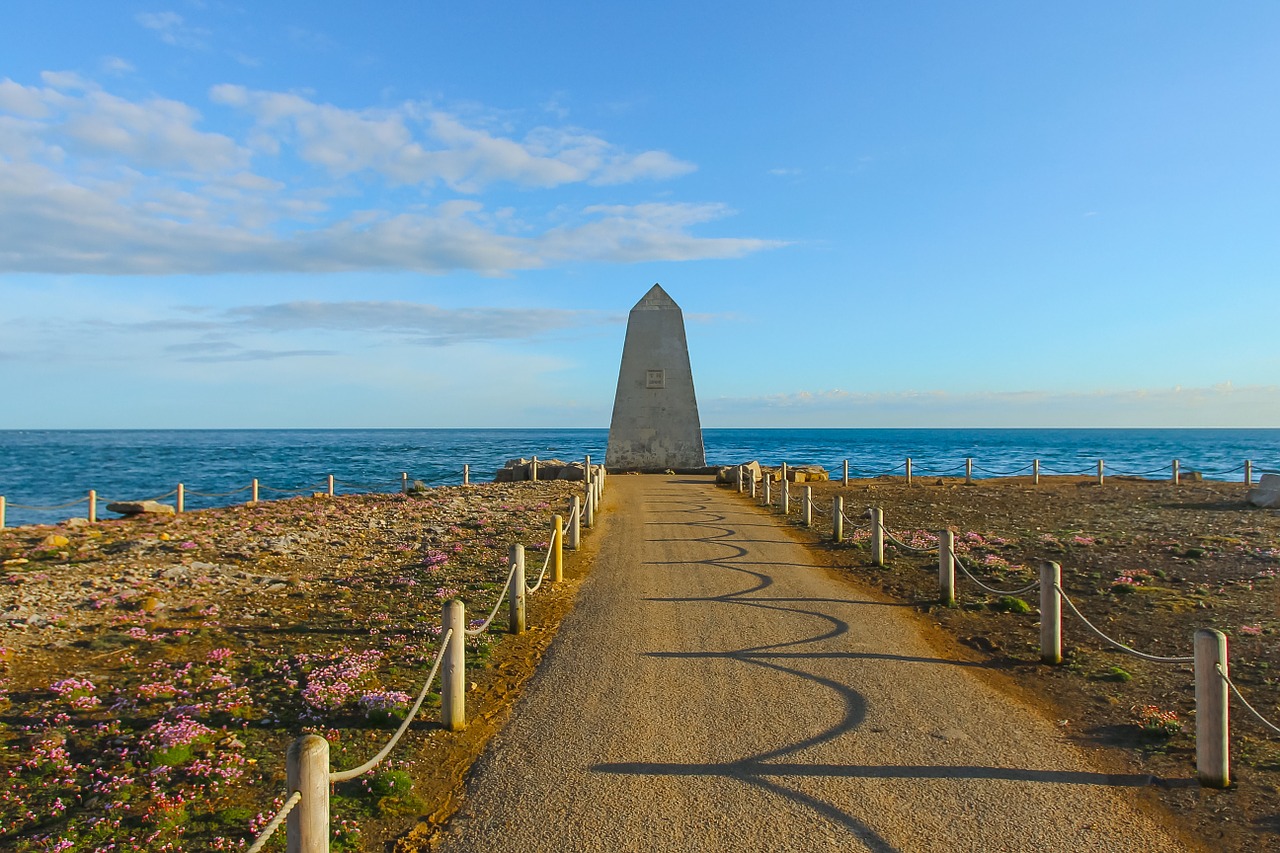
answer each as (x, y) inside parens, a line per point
(140, 508)
(1267, 494)
(655, 423)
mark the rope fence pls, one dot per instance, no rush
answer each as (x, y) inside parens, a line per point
(307, 763)
(327, 486)
(1213, 685)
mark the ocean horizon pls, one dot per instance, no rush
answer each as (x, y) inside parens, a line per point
(50, 468)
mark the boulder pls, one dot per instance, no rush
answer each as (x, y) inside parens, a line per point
(573, 471)
(1267, 494)
(140, 508)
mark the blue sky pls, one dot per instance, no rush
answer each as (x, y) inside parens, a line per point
(438, 215)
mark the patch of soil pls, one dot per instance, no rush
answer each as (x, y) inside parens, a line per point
(1148, 563)
(154, 670)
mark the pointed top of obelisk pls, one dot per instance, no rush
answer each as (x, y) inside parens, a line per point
(656, 299)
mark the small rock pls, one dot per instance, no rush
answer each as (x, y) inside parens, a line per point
(131, 508)
(55, 540)
(77, 522)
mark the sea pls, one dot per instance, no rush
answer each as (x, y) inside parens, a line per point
(43, 473)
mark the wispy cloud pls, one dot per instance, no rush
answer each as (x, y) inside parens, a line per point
(91, 182)
(172, 29)
(1216, 405)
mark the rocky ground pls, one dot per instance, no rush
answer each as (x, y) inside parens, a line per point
(153, 670)
(1148, 563)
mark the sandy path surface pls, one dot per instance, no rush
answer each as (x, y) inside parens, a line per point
(714, 690)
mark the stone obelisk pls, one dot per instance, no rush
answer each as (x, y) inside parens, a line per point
(655, 422)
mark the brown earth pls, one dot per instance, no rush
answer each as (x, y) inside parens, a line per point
(1148, 563)
(1196, 555)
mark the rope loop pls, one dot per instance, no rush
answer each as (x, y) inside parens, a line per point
(1244, 701)
(344, 775)
(1022, 591)
(1119, 645)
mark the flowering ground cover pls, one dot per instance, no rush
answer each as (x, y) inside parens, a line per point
(1148, 563)
(153, 671)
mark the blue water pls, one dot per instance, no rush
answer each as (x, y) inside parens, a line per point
(48, 467)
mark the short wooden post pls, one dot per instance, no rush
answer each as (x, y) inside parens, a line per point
(1213, 756)
(946, 567)
(1050, 612)
(557, 555)
(837, 519)
(466, 474)
(785, 503)
(589, 514)
(844, 480)
(307, 771)
(516, 591)
(908, 470)
(93, 506)
(768, 482)
(1177, 474)
(330, 485)
(808, 506)
(453, 678)
(784, 472)
(404, 482)
(586, 479)
(1, 512)
(533, 469)
(1248, 472)
(1102, 478)
(575, 523)
(753, 487)
(968, 471)
(182, 499)
(739, 479)
(253, 491)
(877, 536)
(1035, 472)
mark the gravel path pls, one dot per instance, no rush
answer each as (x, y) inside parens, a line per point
(714, 690)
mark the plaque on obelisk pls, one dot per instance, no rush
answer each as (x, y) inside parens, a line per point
(655, 422)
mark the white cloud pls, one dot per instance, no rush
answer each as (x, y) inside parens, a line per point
(91, 182)
(172, 29)
(117, 66)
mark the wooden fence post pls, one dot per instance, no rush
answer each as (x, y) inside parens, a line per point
(1035, 472)
(466, 474)
(768, 482)
(253, 491)
(784, 503)
(589, 513)
(453, 678)
(330, 485)
(844, 481)
(404, 482)
(1248, 472)
(908, 470)
(1, 512)
(753, 486)
(877, 535)
(1213, 751)
(1050, 612)
(739, 479)
(533, 469)
(557, 556)
(181, 501)
(808, 506)
(1102, 478)
(968, 471)
(946, 567)
(575, 525)
(516, 591)
(1177, 474)
(837, 519)
(93, 506)
(307, 771)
